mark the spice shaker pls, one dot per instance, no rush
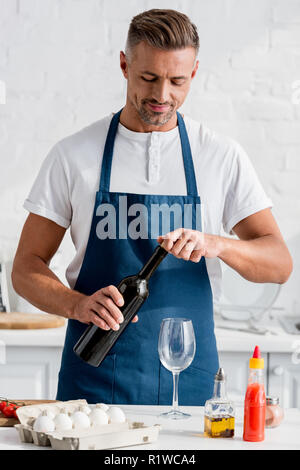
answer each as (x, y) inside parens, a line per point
(274, 413)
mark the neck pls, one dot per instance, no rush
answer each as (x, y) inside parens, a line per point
(220, 390)
(131, 120)
(152, 264)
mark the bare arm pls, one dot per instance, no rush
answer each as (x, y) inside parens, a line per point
(31, 276)
(33, 279)
(260, 254)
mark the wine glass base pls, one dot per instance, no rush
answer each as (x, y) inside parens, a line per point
(175, 414)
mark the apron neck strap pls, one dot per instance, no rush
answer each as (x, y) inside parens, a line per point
(191, 184)
(186, 154)
(108, 153)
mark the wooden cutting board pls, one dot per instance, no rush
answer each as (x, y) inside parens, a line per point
(29, 321)
(9, 422)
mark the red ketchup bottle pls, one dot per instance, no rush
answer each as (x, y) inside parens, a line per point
(255, 400)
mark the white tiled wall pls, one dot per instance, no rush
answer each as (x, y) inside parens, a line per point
(59, 60)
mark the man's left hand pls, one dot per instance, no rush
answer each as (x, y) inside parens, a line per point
(191, 245)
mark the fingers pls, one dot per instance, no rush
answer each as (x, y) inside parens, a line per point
(103, 319)
(98, 321)
(179, 243)
(196, 256)
(107, 314)
(187, 250)
(114, 293)
(183, 243)
(111, 307)
(167, 241)
(104, 306)
(101, 309)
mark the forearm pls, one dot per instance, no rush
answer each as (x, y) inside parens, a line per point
(263, 259)
(33, 280)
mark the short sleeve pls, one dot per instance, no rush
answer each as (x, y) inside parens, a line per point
(49, 196)
(245, 195)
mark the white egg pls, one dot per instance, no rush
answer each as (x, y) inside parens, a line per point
(103, 406)
(116, 415)
(43, 424)
(63, 422)
(51, 414)
(86, 409)
(98, 417)
(80, 420)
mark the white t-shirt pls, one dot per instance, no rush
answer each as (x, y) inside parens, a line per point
(146, 163)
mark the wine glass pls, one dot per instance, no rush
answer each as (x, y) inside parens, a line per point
(176, 348)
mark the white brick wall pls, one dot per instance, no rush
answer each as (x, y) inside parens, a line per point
(57, 58)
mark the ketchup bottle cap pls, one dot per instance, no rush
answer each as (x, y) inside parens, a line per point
(256, 361)
(256, 354)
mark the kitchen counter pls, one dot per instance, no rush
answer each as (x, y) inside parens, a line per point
(42, 337)
(30, 362)
(188, 434)
(227, 340)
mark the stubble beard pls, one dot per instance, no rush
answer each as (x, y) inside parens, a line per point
(154, 118)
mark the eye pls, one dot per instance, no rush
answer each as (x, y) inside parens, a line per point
(148, 80)
(178, 83)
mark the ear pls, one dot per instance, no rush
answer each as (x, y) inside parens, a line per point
(195, 70)
(124, 64)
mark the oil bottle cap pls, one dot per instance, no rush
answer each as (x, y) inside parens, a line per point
(220, 375)
(256, 361)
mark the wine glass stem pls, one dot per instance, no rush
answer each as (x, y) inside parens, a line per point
(175, 390)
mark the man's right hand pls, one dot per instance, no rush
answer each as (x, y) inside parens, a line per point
(101, 308)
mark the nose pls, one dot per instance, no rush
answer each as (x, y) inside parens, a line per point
(160, 91)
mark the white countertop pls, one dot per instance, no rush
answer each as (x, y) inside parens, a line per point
(54, 337)
(188, 434)
(227, 340)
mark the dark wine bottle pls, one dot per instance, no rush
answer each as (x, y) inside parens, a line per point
(95, 343)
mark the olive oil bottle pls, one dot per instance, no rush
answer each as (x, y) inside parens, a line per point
(219, 411)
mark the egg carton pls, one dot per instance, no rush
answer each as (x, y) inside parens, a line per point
(27, 415)
(108, 436)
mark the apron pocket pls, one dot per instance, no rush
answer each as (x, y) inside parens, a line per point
(78, 380)
(195, 386)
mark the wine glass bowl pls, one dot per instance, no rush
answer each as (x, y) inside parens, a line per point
(176, 348)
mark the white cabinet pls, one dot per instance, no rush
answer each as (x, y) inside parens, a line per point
(30, 372)
(281, 374)
(236, 366)
(284, 379)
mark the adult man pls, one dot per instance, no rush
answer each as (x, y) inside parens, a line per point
(151, 155)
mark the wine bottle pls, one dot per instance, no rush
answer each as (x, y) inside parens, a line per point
(95, 343)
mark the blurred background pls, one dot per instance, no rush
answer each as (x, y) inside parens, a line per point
(59, 61)
(59, 72)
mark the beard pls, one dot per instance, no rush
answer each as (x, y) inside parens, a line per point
(152, 117)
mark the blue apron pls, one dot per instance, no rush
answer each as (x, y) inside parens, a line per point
(132, 372)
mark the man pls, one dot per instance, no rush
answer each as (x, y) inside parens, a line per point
(150, 155)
